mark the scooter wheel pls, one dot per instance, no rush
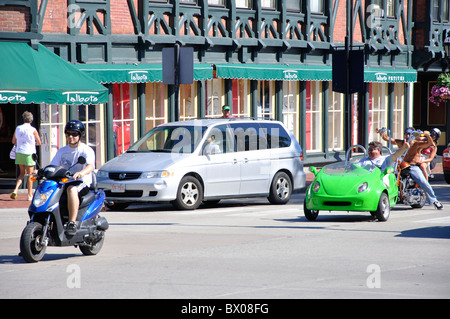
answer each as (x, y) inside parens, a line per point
(94, 249)
(30, 243)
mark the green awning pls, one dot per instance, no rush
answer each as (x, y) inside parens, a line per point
(141, 73)
(281, 72)
(390, 75)
(40, 76)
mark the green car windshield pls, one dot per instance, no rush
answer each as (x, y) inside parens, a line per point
(353, 167)
(170, 139)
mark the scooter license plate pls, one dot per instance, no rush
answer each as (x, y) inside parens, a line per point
(118, 188)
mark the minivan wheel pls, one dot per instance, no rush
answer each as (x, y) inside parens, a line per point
(281, 189)
(189, 195)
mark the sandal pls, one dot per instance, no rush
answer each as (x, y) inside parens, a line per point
(13, 196)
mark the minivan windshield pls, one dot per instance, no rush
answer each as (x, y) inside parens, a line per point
(170, 139)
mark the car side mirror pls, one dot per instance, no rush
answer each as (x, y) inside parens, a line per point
(313, 170)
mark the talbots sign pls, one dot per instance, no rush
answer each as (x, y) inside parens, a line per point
(138, 76)
(290, 75)
(81, 97)
(385, 77)
(13, 96)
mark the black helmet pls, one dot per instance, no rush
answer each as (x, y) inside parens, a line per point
(409, 130)
(76, 126)
(435, 133)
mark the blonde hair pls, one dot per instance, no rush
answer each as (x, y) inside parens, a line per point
(27, 117)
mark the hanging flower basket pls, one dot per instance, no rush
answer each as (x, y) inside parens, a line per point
(441, 91)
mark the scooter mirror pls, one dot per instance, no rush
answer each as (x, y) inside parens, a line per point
(81, 160)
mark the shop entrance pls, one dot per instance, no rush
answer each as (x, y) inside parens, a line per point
(10, 117)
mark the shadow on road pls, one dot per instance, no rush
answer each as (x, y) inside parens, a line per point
(441, 232)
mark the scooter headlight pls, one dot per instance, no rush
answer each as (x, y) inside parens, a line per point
(41, 198)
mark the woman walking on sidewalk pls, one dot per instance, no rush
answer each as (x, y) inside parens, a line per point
(25, 138)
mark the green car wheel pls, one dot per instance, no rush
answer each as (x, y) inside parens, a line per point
(384, 210)
(309, 214)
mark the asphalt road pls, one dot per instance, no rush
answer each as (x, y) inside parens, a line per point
(242, 249)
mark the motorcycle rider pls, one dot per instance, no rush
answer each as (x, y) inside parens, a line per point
(427, 155)
(399, 142)
(413, 158)
(66, 157)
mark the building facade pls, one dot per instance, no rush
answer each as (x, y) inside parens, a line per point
(265, 58)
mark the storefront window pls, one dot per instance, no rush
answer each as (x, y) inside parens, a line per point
(188, 98)
(268, 4)
(399, 101)
(216, 3)
(92, 117)
(437, 113)
(317, 6)
(243, 4)
(124, 119)
(53, 121)
(155, 105)
(290, 106)
(215, 97)
(377, 110)
(241, 98)
(313, 116)
(335, 120)
(294, 5)
(266, 100)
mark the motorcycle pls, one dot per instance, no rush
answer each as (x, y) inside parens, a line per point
(409, 193)
(48, 214)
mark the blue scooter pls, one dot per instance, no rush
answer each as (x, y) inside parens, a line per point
(48, 214)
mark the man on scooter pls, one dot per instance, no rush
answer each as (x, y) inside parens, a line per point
(413, 158)
(66, 157)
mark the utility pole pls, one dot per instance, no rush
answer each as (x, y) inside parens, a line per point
(178, 68)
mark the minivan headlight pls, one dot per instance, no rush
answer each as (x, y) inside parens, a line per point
(102, 174)
(157, 174)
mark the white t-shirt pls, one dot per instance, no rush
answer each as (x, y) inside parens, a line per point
(68, 156)
(26, 143)
(382, 162)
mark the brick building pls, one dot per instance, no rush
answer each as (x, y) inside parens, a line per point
(267, 58)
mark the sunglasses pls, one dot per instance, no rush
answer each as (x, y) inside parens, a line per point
(73, 134)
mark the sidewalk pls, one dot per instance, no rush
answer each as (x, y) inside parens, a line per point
(22, 202)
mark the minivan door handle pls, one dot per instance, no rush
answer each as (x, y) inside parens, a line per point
(235, 161)
(246, 160)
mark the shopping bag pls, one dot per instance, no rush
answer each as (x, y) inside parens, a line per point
(12, 154)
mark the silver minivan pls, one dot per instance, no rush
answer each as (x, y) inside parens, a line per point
(190, 162)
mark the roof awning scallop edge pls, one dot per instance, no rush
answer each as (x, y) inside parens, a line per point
(281, 72)
(137, 73)
(390, 75)
(40, 76)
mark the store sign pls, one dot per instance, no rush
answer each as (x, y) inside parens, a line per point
(81, 97)
(290, 75)
(138, 76)
(13, 96)
(386, 77)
